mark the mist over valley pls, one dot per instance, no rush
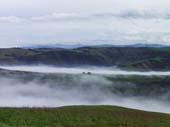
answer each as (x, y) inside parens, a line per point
(45, 86)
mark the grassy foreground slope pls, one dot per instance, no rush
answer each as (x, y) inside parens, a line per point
(81, 116)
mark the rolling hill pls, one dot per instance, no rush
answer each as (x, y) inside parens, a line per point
(81, 116)
(142, 58)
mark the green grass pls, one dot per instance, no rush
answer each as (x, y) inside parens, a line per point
(155, 63)
(138, 78)
(81, 116)
(163, 49)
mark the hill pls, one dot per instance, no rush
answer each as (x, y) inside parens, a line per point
(81, 116)
(142, 58)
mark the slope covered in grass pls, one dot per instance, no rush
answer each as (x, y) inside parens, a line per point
(81, 116)
(143, 58)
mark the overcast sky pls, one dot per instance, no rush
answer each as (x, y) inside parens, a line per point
(24, 22)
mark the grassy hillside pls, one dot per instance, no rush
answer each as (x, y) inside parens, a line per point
(155, 63)
(126, 57)
(81, 116)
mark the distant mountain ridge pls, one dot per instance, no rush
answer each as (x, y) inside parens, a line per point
(73, 46)
(64, 46)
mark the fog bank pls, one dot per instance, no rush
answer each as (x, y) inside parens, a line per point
(85, 90)
(79, 70)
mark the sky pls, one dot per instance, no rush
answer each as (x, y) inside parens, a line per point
(27, 22)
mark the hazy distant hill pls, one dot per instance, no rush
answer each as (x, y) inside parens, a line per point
(141, 58)
(65, 46)
(133, 45)
(73, 46)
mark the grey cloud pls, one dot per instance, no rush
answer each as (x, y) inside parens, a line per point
(124, 27)
(145, 14)
(134, 14)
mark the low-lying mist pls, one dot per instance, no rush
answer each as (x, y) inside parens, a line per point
(81, 89)
(78, 70)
